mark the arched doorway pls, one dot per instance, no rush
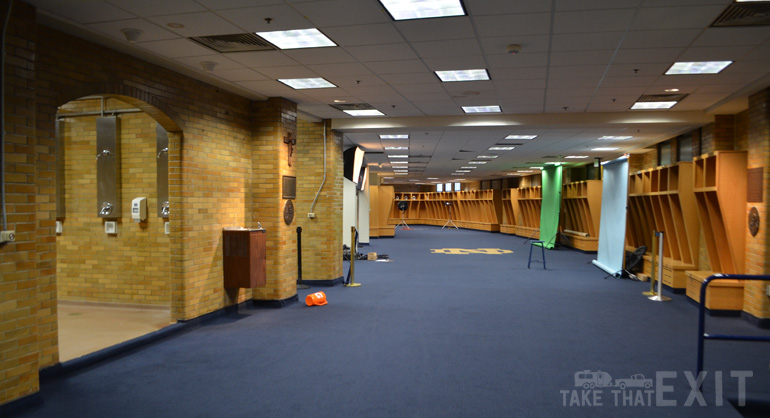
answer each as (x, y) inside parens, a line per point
(112, 276)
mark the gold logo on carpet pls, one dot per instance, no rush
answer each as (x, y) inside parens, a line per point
(463, 251)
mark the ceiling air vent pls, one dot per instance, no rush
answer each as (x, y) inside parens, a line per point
(352, 106)
(239, 42)
(744, 14)
(661, 97)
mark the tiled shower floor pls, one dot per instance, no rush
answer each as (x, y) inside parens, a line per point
(85, 328)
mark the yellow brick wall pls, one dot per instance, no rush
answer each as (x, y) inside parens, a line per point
(133, 265)
(757, 140)
(321, 240)
(274, 120)
(25, 264)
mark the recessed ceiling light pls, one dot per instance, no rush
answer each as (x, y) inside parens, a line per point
(512, 174)
(521, 137)
(468, 168)
(398, 156)
(525, 171)
(553, 162)
(536, 168)
(698, 67)
(576, 156)
(462, 171)
(487, 157)
(338, 101)
(395, 136)
(652, 105)
(364, 112)
(671, 90)
(604, 149)
(297, 38)
(396, 148)
(500, 148)
(401, 174)
(422, 9)
(399, 162)
(387, 178)
(432, 178)
(306, 83)
(614, 138)
(463, 75)
(477, 162)
(481, 109)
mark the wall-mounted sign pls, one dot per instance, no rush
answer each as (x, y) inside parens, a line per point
(754, 221)
(289, 187)
(288, 212)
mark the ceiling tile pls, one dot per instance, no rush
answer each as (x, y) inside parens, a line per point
(575, 58)
(733, 36)
(387, 52)
(581, 83)
(478, 8)
(526, 73)
(635, 81)
(529, 44)
(326, 55)
(422, 80)
(562, 5)
(520, 84)
(234, 4)
(717, 53)
(455, 63)
(586, 41)
(569, 71)
(647, 55)
(654, 18)
(197, 24)
(156, 8)
(354, 71)
(436, 29)
(150, 31)
(660, 38)
(339, 12)
(513, 25)
(261, 59)
(82, 12)
(451, 48)
(222, 62)
(396, 67)
(535, 59)
(609, 20)
(176, 48)
(294, 71)
(374, 34)
(252, 19)
(239, 74)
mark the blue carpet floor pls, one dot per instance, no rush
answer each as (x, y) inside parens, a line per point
(433, 335)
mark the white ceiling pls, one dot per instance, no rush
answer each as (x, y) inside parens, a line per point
(582, 65)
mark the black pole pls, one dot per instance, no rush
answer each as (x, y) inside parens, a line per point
(300, 285)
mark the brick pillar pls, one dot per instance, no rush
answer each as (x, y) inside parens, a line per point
(321, 236)
(274, 119)
(756, 303)
(27, 269)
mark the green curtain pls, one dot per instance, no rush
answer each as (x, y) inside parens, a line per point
(551, 205)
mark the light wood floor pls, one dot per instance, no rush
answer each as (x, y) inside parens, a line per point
(86, 327)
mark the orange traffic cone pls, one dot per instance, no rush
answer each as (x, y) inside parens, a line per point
(317, 298)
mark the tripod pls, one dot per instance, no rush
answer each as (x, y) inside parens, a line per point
(450, 223)
(403, 223)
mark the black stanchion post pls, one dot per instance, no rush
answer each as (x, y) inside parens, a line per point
(300, 285)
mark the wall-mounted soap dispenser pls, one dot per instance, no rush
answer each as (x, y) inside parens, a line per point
(139, 209)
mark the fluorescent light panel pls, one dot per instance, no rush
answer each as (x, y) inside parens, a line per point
(698, 67)
(604, 149)
(481, 109)
(576, 156)
(422, 9)
(395, 136)
(521, 137)
(398, 156)
(468, 168)
(614, 138)
(477, 162)
(298, 38)
(306, 83)
(396, 148)
(365, 112)
(652, 105)
(463, 75)
(501, 148)
(487, 157)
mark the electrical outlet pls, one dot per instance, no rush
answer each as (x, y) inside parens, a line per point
(311, 215)
(7, 236)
